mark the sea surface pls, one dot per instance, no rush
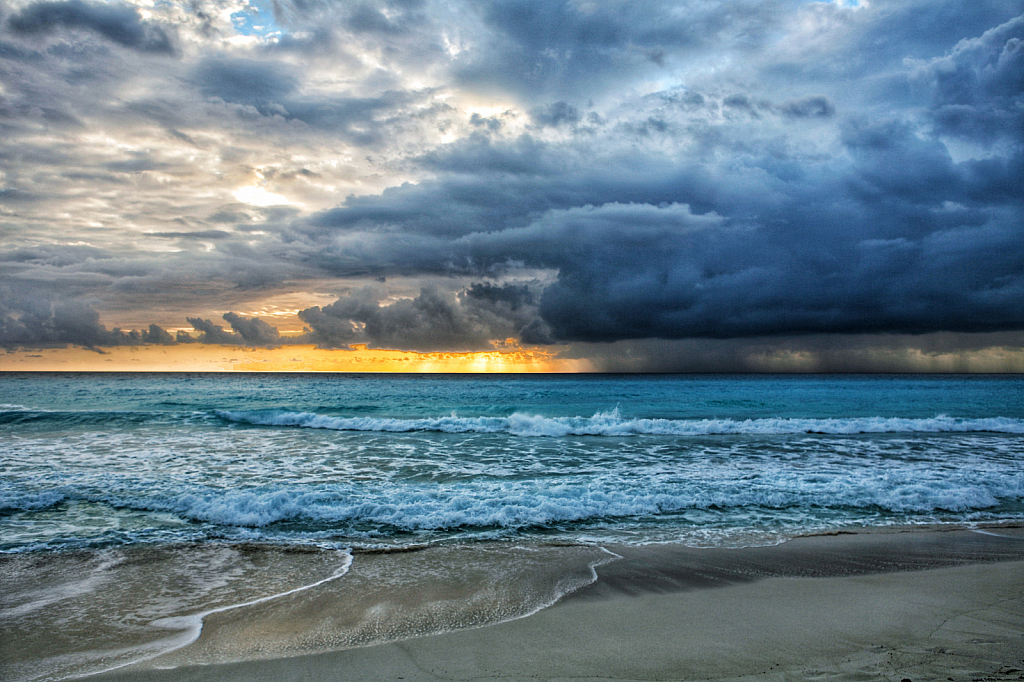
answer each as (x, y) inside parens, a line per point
(340, 460)
(211, 494)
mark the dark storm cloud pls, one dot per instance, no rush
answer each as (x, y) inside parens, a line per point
(434, 320)
(669, 279)
(120, 24)
(894, 236)
(47, 323)
(509, 295)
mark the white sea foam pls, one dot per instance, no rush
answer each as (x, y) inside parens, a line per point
(613, 424)
(188, 628)
(518, 473)
(736, 495)
(13, 499)
(438, 486)
(396, 596)
(164, 618)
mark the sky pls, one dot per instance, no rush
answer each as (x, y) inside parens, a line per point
(488, 185)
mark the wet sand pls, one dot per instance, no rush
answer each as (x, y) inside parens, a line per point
(872, 606)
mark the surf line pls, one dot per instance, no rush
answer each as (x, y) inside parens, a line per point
(566, 590)
(981, 531)
(192, 625)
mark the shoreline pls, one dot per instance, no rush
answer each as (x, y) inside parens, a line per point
(915, 604)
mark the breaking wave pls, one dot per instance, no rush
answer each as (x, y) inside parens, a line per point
(613, 424)
(533, 504)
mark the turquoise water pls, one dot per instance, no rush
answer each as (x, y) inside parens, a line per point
(344, 461)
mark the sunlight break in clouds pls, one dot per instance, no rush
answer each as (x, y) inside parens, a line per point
(257, 196)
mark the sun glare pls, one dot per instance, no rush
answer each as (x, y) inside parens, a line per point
(257, 196)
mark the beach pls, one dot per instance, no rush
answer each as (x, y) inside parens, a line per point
(918, 605)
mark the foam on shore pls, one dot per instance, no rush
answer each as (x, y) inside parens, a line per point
(82, 613)
(79, 613)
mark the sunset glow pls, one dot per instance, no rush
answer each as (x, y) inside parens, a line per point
(211, 358)
(308, 358)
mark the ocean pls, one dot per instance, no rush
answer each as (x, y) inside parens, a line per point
(212, 494)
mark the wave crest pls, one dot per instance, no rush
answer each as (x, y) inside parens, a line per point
(613, 424)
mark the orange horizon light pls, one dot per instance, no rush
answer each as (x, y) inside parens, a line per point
(298, 358)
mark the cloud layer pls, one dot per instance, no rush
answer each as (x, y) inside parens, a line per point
(446, 176)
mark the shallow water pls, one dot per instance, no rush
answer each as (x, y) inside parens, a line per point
(66, 614)
(86, 611)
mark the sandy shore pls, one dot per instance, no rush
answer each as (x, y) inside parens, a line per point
(875, 606)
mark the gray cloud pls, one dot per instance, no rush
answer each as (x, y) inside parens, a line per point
(434, 320)
(538, 48)
(979, 85)
(254, 331)
(555, 115)
(808, 107)
(272, 89)
(120, 24)
(368, 19)
(46, 323)
(209, 332)
(43, 323)
(246, 81)
(198, 234)
(741, 170)
(158, 336)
